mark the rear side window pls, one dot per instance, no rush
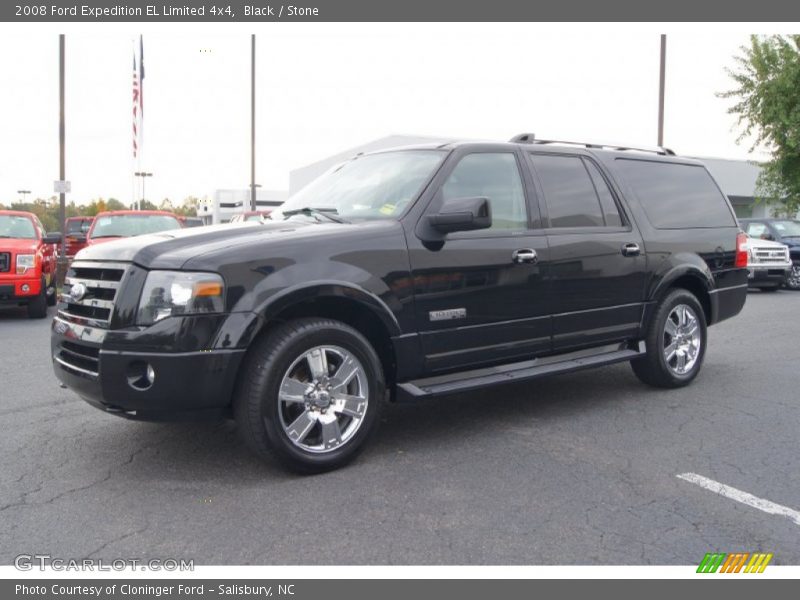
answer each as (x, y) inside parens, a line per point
(676, 196)
(575, 191)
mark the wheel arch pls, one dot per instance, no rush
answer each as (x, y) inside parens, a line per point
(363, 311)
(697, 281)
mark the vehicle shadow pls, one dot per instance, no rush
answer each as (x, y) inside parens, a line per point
(212, 451)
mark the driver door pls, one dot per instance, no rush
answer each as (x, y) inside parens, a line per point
(480, 295)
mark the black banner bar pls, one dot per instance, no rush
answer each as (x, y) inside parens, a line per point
(229, 11)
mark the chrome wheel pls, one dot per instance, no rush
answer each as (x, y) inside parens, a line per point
(793, 280)
(323, 399)
(682, 339)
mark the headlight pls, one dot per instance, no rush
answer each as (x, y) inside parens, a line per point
(25, 262)
(171, 293)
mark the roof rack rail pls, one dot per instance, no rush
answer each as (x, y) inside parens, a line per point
(530, 138)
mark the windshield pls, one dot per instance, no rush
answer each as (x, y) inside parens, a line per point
(377, 186)
(14, 226)
(787, 228)
(131, 225)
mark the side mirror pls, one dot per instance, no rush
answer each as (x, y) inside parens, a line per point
(52, 238)
(462, 214)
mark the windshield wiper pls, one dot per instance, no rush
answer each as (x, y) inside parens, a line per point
(330, 213)
(112, 235)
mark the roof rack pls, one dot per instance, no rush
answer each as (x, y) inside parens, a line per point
(530, 138)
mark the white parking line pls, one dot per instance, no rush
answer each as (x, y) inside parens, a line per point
(740, 496)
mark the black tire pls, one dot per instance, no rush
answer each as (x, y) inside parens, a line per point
(258, 410)
(37, 307)
(653, 368)
(793, 279)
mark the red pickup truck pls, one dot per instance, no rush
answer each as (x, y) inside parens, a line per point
(111, 225)
(27, 263)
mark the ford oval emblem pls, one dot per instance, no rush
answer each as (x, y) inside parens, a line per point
(77, 292)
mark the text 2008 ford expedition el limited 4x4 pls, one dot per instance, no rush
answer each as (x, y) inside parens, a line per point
(420, 271)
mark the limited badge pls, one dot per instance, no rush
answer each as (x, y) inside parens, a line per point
(448, 315)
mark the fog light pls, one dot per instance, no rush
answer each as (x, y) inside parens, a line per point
(26, 288)
(140, 375)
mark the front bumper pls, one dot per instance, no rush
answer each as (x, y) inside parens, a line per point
(187, 385)
(767, 275)
(12, 290)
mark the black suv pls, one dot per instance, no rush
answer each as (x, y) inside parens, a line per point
(785, 231)
(407, 273)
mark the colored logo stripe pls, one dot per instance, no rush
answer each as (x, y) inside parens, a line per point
(733, 563)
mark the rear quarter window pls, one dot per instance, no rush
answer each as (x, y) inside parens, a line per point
(676, 196)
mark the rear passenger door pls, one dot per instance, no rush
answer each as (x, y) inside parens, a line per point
(597, 268)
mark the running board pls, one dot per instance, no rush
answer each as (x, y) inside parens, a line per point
(467, 381)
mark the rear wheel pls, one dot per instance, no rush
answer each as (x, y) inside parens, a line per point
(312, 393)
(676, 342)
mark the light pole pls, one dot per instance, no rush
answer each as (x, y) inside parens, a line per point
(142, 174)
(661, 84)
(24, 193)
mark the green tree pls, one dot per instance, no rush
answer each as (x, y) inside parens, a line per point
(767, 105)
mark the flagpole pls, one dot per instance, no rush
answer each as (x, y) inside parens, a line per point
(141, 112)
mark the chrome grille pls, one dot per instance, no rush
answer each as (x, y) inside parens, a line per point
(5, 262)
(79, 359)
(99, 284)
(771, 255)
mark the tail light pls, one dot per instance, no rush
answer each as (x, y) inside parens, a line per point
(741, 250)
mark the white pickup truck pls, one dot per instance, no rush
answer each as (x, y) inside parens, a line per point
(768, 264)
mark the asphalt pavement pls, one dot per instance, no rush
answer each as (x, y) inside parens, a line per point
(575, 469)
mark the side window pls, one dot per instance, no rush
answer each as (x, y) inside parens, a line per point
(609, 206)
(569, 192)
(496, 177)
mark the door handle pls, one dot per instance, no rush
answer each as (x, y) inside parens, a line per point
(525, 255)
(631, 249)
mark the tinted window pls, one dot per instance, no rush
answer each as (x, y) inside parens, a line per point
(496, 177)
(568, 191)
(609, 206)
(676, 196)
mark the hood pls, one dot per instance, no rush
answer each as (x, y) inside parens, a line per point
(173, 249)
(18, 245)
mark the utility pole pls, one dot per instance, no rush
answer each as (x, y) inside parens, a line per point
(61, 269)
(253, 121)
(661, 82)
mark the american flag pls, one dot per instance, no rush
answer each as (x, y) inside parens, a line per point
(138, 97)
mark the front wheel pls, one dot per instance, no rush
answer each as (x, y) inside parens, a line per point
(37, 307)
(793, 278)
(676, 342)
(312, 393)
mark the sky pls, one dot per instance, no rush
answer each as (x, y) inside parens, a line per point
(324, 88)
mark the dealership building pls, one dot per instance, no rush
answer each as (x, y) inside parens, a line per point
(737, 178)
